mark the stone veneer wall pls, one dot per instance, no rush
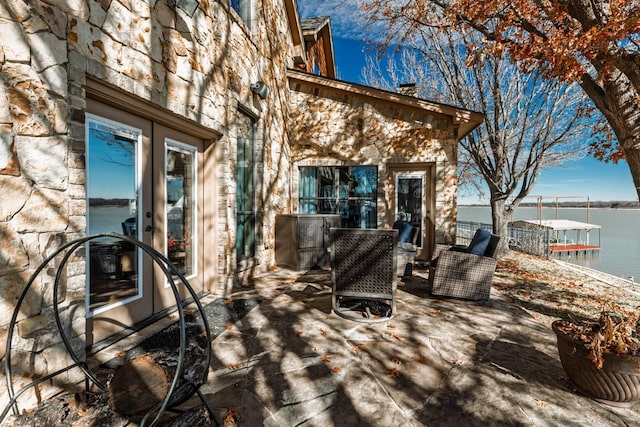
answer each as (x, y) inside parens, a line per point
(336, 127)
(199, 68)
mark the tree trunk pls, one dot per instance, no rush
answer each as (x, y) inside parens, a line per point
(617, 99)
(144, 381)
(138, 385)
(501, 216)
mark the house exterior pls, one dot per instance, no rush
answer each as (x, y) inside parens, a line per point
(188, 126)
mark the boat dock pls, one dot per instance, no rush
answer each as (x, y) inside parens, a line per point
(573, 249)
(566, 237)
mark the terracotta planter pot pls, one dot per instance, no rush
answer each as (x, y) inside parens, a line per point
(617, 383)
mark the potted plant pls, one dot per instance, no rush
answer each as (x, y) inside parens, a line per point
(602, 357)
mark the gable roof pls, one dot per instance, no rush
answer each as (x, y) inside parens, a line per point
(313, 25)
(320, 28)
(466, 120)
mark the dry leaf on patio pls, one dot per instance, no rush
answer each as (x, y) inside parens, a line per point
(299, 333)
(458, 362)
(356, 349)
(396, 336)
(418, 357)
(391, 326)
(335, 369)
(121, 354)
(228, 301)
(229, 326)
(394, 373)
(231, 417)
(539, 402)
(233, 366)
(326, 359)
(324, 332)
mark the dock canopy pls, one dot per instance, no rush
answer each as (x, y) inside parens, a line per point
(571, 241)
(556, 224)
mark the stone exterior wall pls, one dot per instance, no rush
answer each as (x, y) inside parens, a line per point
(331, 126)
(199, 68)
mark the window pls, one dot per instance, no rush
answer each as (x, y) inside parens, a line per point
(243, 8)
(180, 205)
(245, 189)
(350, 191)
(112, 197)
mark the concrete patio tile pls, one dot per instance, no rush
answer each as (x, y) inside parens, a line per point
(438, 362)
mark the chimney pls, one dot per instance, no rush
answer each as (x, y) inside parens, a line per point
(409, 89)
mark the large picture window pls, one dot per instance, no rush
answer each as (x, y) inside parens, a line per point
(350, 191)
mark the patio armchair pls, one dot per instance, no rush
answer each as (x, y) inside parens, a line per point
(363, 273)
(465, 272)
(407, 250)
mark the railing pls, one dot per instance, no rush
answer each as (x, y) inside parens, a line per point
(533, 241)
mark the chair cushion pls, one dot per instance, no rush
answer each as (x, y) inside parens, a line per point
(405, 231)
(480, 241)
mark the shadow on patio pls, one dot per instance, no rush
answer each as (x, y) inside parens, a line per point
(291, 361)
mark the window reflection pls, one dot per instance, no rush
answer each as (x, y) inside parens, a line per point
(111, 199)
(350, 191)
(180, 206)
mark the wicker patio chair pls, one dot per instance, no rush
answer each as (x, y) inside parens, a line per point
(363, 273)
(459, 274)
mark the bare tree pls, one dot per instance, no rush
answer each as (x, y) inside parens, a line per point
(530, 123)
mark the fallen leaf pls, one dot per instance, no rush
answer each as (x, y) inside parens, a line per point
(458, 362)
(335, 370)
(231, 416)
(357, 349)
(394, 373)
(391, 326)
(418, 357)
(228, 301)
(539, 402)
(233, 366)
(229, 326)
(324, 332)
(326, 359)
(121, 354)
(299, 333)
(396, 336)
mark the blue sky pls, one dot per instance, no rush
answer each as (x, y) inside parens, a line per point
(587, 177)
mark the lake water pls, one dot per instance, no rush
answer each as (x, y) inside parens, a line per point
(619, 236)
(103, 219)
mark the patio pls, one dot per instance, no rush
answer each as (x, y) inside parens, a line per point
(291, 361)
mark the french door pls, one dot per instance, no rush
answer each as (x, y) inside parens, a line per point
(413, 200)
(143, 180)
(410, 200)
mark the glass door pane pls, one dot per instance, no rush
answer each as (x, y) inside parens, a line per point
(112, 196)
(180, 206)
(409, 200)
(245, 182)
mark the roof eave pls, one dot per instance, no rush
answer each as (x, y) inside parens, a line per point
(466, 120)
